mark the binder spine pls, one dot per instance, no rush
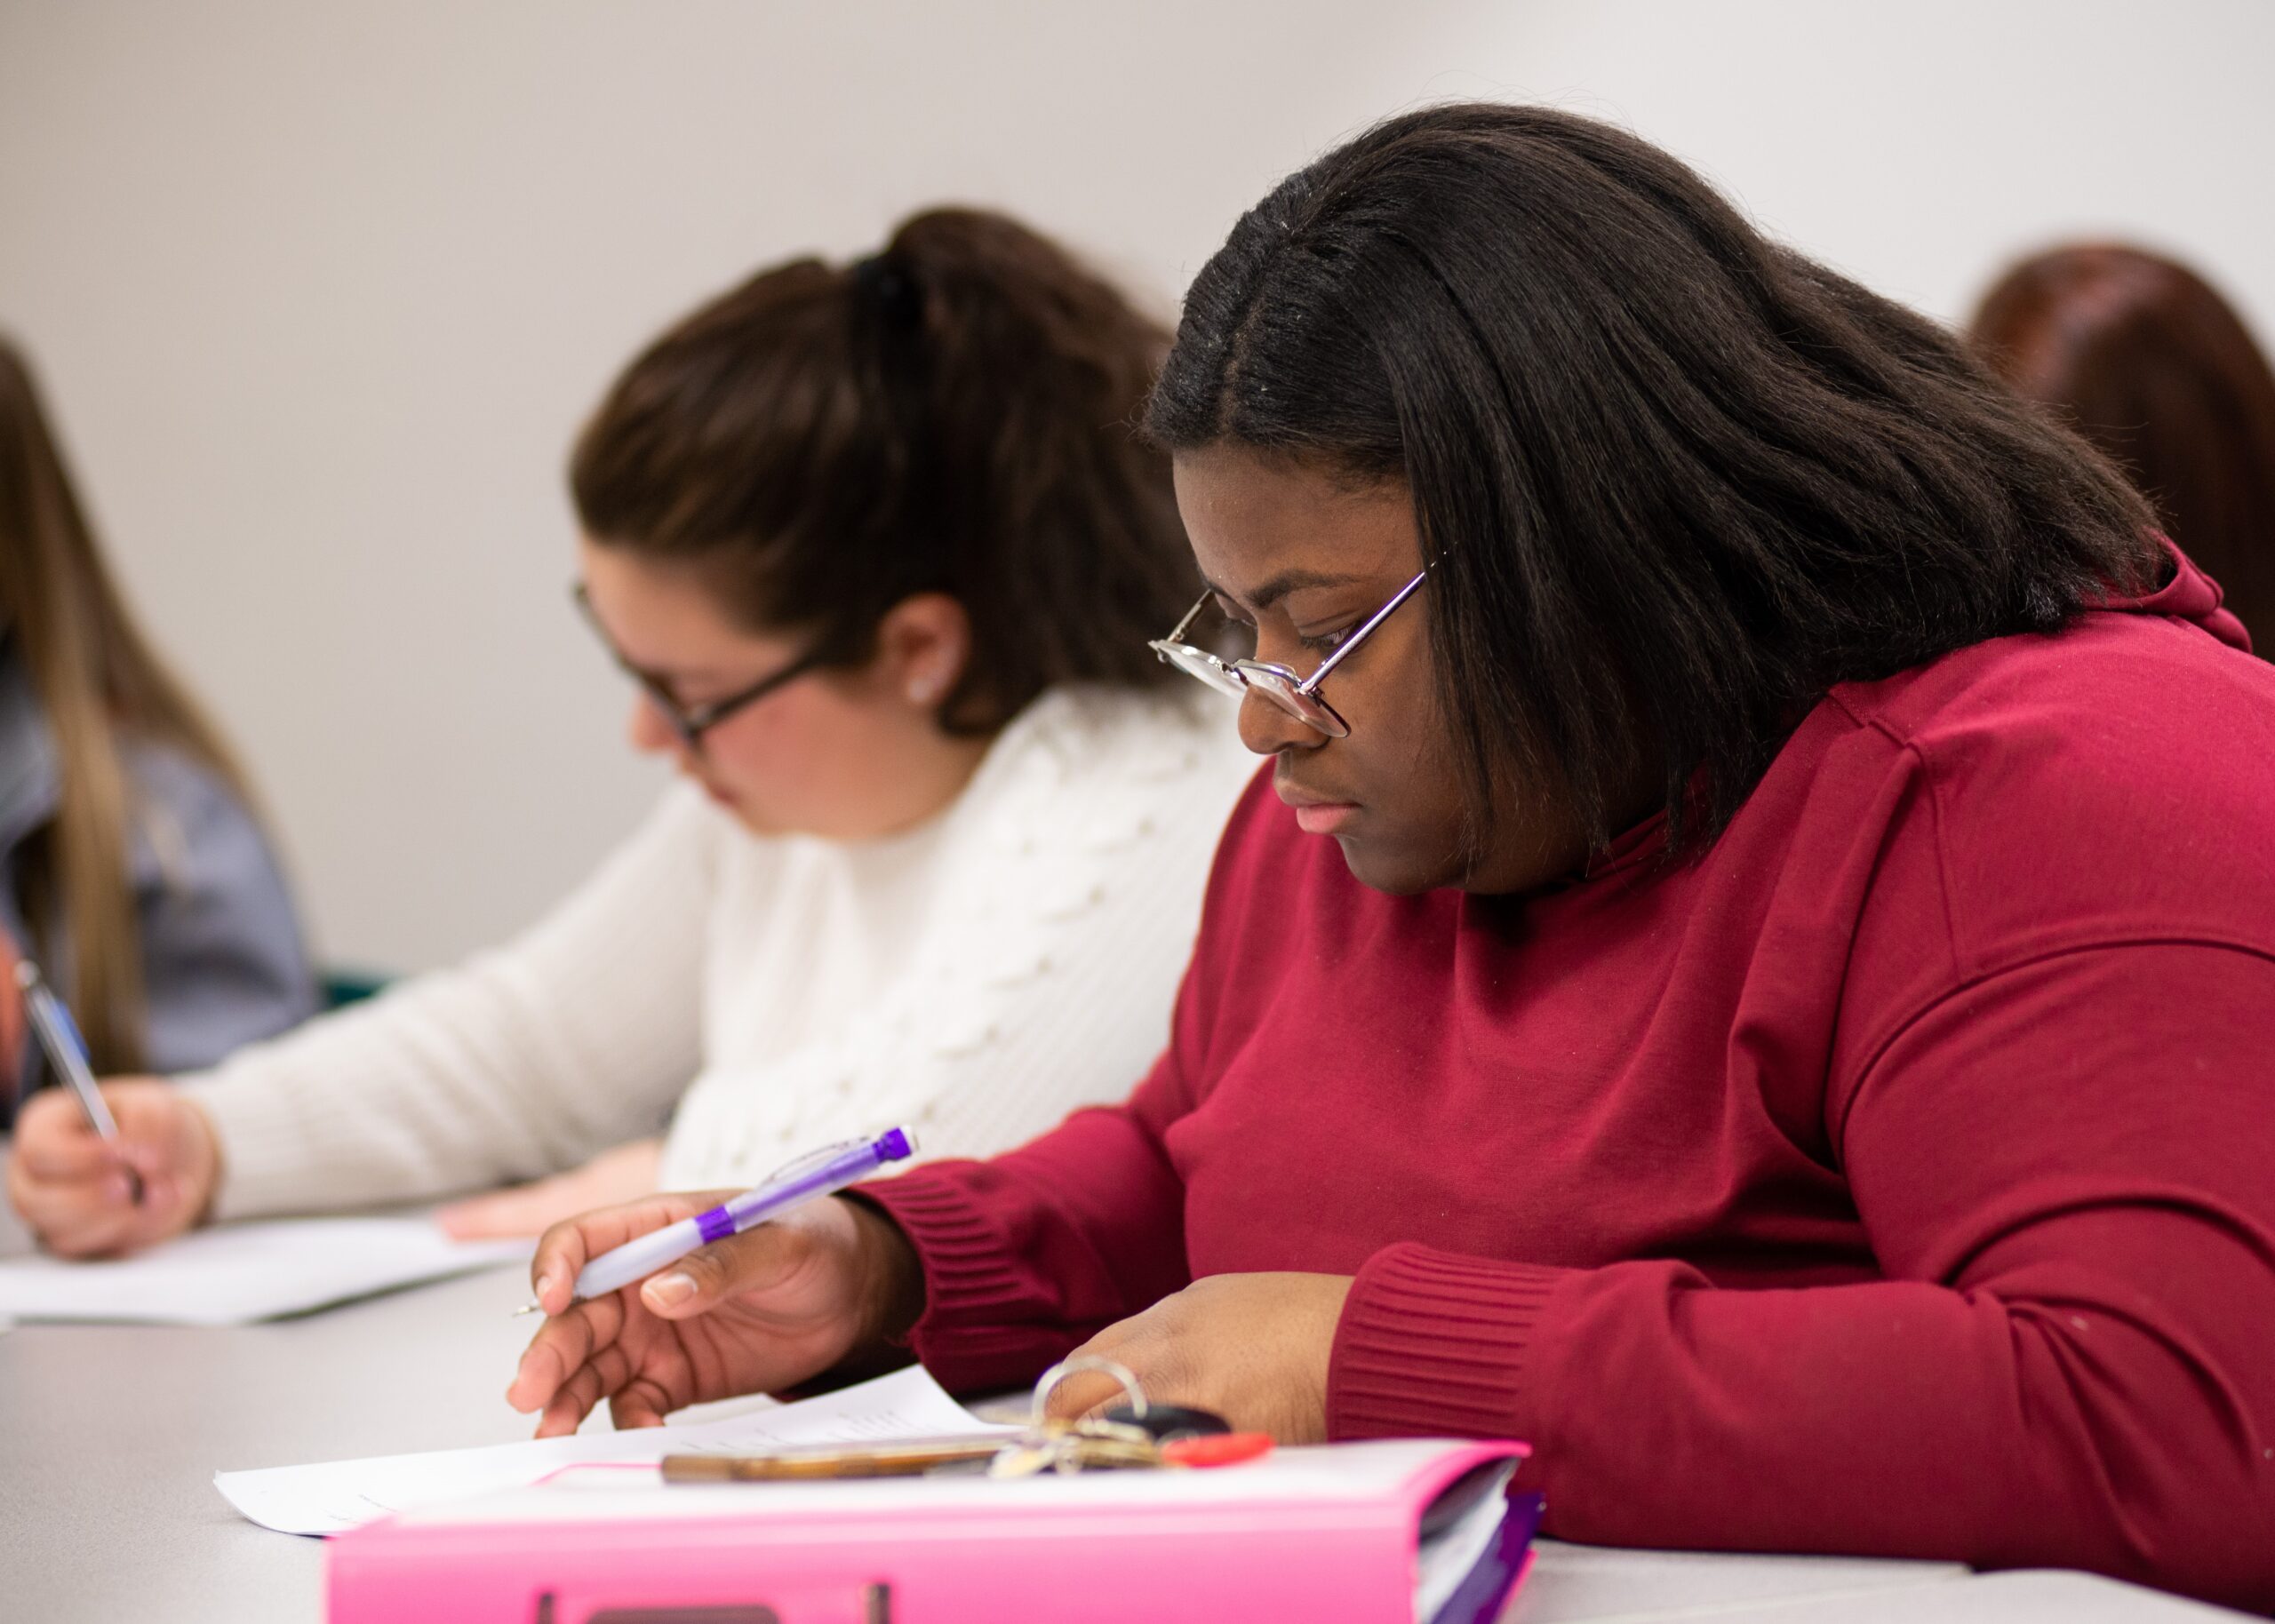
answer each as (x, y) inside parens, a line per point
(1346, 1562)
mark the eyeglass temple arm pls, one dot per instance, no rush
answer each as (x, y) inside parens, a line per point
(1191, 614)
(1310, 684)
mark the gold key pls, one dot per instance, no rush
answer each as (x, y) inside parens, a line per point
(1086, 1453)
(1076, 1446)
(1091, 1445)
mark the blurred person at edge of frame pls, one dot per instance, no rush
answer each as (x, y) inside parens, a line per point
(132, 866)
(2142, 357)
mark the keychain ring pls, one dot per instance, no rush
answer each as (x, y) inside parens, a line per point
(1064, 1368)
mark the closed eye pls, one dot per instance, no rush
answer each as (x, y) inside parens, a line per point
(1235, 638)
(1317, 642)
(1225, 608)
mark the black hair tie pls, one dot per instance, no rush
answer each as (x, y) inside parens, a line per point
(891, 289)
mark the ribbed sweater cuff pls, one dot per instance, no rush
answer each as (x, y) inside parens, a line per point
(1433, 1344)
(967, 1272)
(980, 1307)
(272, 1154)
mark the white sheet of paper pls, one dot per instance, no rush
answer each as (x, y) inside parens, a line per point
(236, 1273)
(338, 1495)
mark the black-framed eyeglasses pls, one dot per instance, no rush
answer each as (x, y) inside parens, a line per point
(1299, 696)
(689, 724)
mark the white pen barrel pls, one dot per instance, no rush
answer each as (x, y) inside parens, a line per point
(820, 1174)
(637, 1259)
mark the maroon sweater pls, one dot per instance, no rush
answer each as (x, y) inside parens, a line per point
(1897, 1178)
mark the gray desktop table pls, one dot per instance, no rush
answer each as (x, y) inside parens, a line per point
(110, 1436)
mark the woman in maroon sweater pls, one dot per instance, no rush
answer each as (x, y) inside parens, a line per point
(1785, 1018)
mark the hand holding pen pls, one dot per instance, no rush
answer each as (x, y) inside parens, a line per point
(810, 1178)
(66, 1051)
(100, 1170)
(821, 1285)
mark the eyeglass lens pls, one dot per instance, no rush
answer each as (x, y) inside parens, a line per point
(1199, 662)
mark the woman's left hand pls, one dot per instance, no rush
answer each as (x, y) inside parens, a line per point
(1253, 1348)
(614, 1176)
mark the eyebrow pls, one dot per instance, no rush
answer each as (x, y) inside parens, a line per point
(666, 677)
(663, 677)
(1280, 586)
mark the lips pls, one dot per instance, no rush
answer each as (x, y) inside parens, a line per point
(1315, 814)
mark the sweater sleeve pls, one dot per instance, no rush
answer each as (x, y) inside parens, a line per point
(523, 1061)
(2065, 1366)
(1039, 974)
(1030, 1255)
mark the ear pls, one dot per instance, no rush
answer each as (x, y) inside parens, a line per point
(923, 647)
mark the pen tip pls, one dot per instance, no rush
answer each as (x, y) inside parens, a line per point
(527, 1308)
(26, 974)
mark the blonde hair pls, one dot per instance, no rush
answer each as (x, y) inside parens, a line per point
(98, 681)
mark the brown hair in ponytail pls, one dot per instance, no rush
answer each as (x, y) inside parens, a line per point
(954, 414)
(97, 680)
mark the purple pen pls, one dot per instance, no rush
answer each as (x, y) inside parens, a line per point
(809, 1177)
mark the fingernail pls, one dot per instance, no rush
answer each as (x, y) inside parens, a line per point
(664, 1290)
(544, 1284)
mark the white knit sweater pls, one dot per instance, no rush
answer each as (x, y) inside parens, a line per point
(978, 977)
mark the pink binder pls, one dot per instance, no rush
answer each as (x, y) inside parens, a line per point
(1391, 1530)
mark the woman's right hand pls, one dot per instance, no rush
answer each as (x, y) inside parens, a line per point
(71, 1186)
(754, 1313)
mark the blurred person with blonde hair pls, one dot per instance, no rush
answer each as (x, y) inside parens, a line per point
(131, 865)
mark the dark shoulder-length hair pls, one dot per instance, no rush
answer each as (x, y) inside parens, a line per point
(1673, 481)
(2144, 358)
(953, 413)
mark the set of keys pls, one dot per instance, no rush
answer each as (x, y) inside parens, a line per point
(1135, 1434)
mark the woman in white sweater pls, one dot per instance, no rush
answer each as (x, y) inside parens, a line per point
(874, 541)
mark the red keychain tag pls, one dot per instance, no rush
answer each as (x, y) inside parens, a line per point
(1216, 1449)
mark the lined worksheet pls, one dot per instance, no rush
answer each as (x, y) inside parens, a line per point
(338, 1495)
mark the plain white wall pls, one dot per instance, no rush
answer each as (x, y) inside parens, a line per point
(1921, 146)
(320, 292)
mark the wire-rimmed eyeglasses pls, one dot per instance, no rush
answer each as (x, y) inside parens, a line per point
(1299, 696)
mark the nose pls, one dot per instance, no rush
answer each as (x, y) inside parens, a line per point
(647, 731)
(1267, 729)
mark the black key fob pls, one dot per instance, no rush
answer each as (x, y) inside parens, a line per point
(1167, 1422)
